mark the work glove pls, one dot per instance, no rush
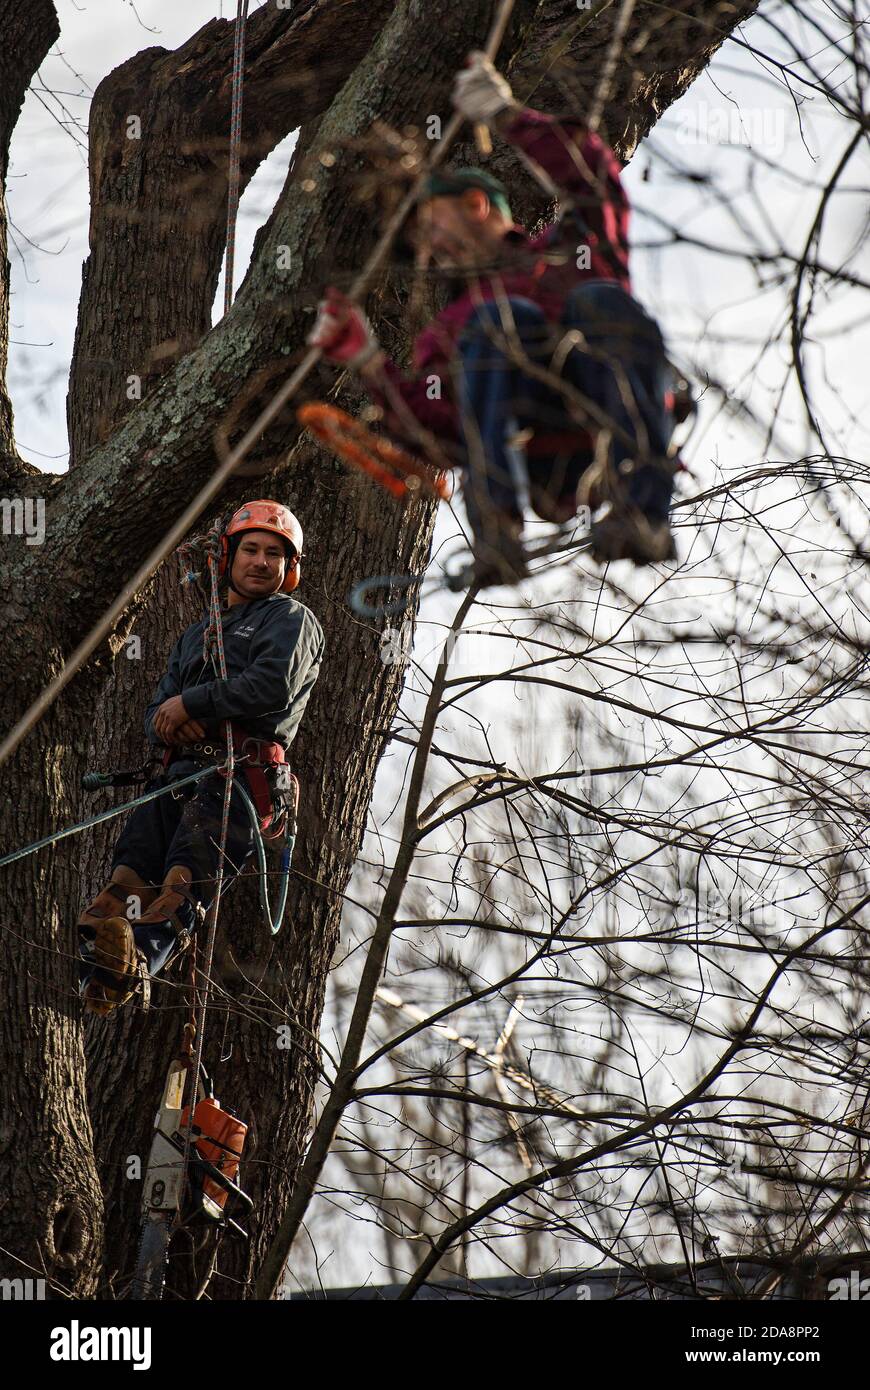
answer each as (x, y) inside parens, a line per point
(342, 331)
(480, 92)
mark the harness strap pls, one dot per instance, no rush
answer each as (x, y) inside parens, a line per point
(260, 793)
(264, 753)
(254, 755)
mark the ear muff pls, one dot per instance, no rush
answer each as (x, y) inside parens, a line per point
(224, 558)
(291, 573)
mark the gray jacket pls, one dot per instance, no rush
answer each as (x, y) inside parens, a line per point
(273, 648)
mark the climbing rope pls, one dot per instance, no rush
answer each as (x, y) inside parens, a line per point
(274, 920)
(371, 453)
(235, 149)
(106, 815)
(194, 556)
(213, 641)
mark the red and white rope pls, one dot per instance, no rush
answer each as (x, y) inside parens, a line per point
(235, 149)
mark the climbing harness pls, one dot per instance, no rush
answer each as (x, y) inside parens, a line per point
(272, 804)
(374, 455)
(273, 787)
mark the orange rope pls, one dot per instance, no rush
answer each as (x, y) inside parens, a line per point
(351, 441)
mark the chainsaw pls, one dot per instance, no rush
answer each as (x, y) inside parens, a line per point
(172, 1199)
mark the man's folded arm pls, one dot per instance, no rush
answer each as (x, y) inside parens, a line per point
(170, 685)
(282, 652)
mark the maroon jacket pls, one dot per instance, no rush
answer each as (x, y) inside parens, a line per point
(587, 172)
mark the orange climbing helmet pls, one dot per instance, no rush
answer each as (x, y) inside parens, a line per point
(264, 515)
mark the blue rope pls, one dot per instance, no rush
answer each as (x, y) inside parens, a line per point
(359, 595)
(106, 815)
(286, 855)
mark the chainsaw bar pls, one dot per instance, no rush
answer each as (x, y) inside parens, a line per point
(152, 1258)
(163, 1190)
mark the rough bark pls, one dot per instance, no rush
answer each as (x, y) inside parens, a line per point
(665, 49)
(52, 1215)
(103, 517)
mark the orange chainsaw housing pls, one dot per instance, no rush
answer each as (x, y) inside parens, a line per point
(351, 441)
(219, 1138)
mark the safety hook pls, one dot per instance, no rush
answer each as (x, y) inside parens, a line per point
(359, 601)
(461, 578)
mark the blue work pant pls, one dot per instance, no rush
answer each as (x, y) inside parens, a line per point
(621, 369)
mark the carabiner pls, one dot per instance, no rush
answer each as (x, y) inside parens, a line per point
(358, 597)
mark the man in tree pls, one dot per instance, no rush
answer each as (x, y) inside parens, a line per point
(544, 366)
(166, 858)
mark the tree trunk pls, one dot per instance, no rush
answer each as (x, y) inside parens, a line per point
(52, 1210)
(157, 221)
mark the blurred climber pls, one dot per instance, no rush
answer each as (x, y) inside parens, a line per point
(544, 370)
(166, 859)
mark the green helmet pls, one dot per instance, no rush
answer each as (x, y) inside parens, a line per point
(452, 183)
